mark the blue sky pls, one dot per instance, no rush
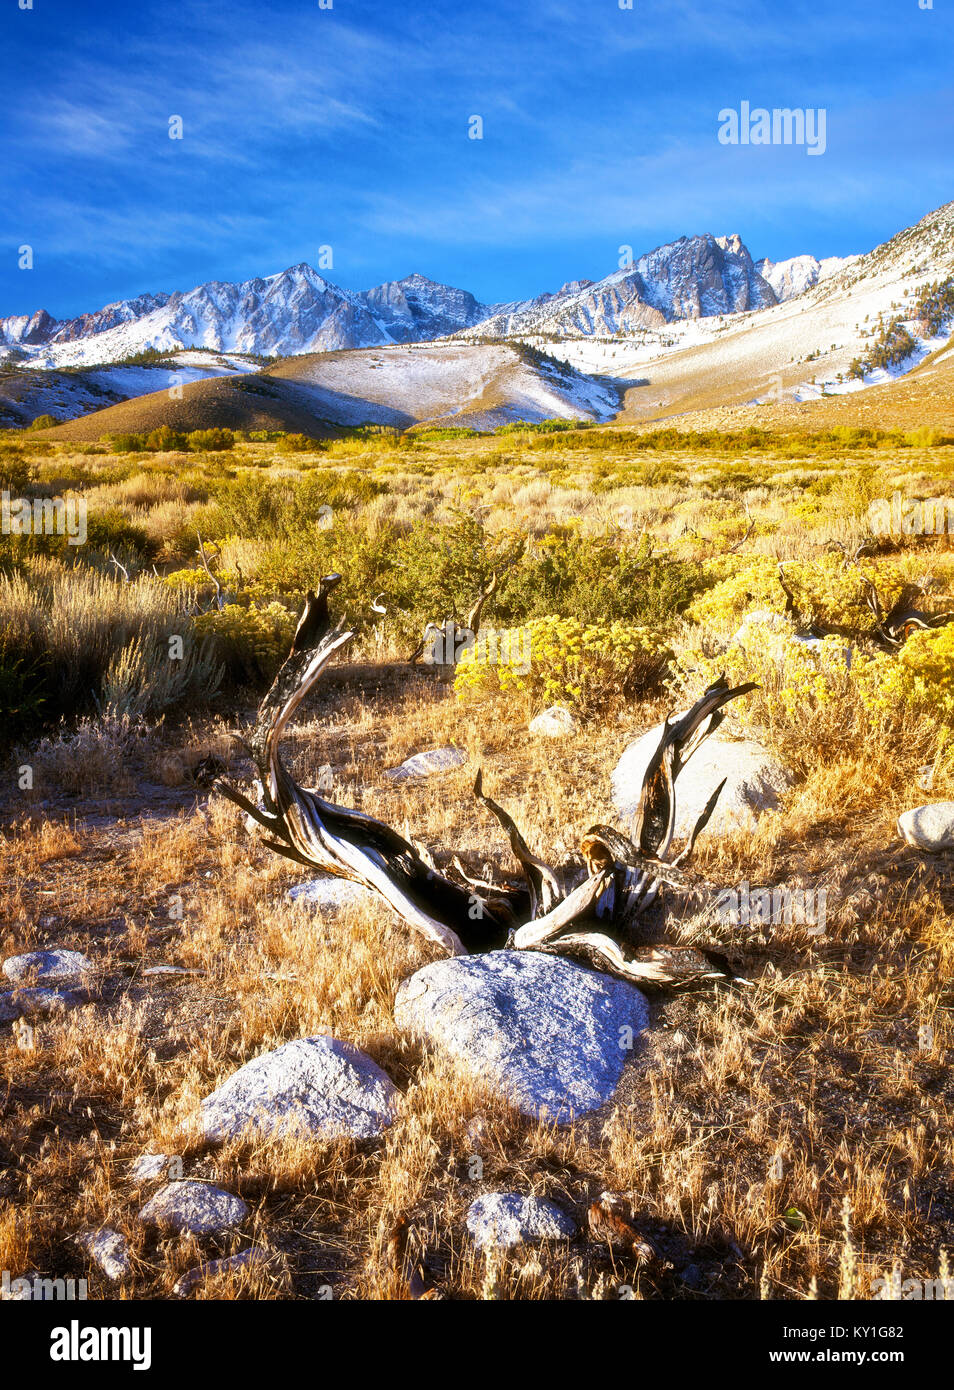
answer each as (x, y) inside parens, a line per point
(348, 127)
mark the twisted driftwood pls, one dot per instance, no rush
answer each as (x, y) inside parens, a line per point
(453, 633)
(892, 626)
(586, 906)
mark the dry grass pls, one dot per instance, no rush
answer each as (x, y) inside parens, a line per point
(790, 1138)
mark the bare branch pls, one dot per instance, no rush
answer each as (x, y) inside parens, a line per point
(219, 601)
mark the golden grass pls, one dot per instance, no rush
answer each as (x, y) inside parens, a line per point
(791, 1138)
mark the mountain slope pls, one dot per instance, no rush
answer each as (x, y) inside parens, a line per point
(694, 277)
(803, 348)
(399, 386)
(27, 393)
(299, 311)
(296, 311)
(798, 274)
(694, 324)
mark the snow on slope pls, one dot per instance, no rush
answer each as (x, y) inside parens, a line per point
(799, 348)
(416, 309)
(64, 395)
(451, 382)
(299, 311)
(799, 273)
(697, 303)
(296, 311)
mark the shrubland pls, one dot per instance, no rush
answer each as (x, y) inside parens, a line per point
(785, 1138)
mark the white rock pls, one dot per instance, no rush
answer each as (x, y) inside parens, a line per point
(49, 967)
(505, 1219)
(109, 1250)
(546, 1033)
(233, 1264)
(329, 893)
(148, 1167)
(755, 782)
(929, 827)
(37, 1002)
(320, 1085)
(193, 1208)
(555, 722)
(427, 763)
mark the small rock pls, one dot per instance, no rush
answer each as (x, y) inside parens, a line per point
(321, 1085)
(929, 827)
(36, 1002)
(170, 970)
(427, 763)
(233, 1264)
(48, 967)
(329, 893)
(546, 1033)
(755, 782)
(109, 1250)
(555, 722)
(148, 1167)
(193, 1208)
(505, 1219)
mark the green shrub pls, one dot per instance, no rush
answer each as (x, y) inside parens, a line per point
(299, 444)
(254, 641)
(214, 440)
(125, 443)
(23, 689)
(165, 440)
(109, 531)
(570, 574)
(144, 679)
(73, 623)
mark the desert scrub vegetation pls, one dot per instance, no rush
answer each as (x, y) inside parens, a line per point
(789, 1140)
(75, 639)
(678, 533)
(565, 661)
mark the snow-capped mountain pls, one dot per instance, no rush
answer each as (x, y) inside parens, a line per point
(694, 277)
(295, 311)
(799, 273)
(299, 311)
(416, 309)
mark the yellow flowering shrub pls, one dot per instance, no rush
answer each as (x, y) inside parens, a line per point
(826, 592)
(797, 681)
(739, 586)
(563, 661)
(827, 694)
(194, 581)
(262, 634)
(920, 676)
